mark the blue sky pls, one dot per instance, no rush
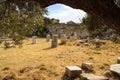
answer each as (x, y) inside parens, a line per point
(65, 13)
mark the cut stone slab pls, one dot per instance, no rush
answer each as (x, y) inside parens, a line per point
(93, 77)
(73, 71)
(87, 66)
(115, 68)
(118, 60)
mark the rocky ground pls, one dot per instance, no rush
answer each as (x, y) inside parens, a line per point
(41, 62)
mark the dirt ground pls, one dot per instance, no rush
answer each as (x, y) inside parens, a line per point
(41, 62)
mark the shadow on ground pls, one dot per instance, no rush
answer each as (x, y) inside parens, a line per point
(65, 77)
(48, 48)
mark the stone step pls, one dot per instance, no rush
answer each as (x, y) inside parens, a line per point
(115, 68)
(93, 77)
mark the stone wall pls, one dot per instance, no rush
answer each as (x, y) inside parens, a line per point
(68, 29)
(82, 33)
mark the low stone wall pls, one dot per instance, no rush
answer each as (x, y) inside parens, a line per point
(68, 29)
(81, 33)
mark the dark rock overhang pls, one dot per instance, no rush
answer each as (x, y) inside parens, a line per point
(105, 10)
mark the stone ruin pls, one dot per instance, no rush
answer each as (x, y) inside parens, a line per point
(81, 33)
(63, 39)
(73, 72)
(48, 37)
(118, 60)
(115, 69)
(54, 42)
(8, 43)
(88, 67)
(73, 36)
(34, 39)
(69, 30)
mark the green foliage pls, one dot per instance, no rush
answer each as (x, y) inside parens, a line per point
(55, 21)
(51, 21)
(19, 20)
(92, 24)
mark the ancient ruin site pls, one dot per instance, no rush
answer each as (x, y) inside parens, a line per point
(59, 39)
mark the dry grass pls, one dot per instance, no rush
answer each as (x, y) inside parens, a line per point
(40, 62)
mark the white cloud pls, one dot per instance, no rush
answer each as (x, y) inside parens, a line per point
(65, 13)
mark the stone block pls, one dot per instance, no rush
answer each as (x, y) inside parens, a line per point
(34, 41)
(47, 37)
(88, 67)
(9, 45)
(108, 74)
(63, 39)
(86, 44)
(115, 68)
(87, 76)
(81, 41)
(118, 60)
(73, 71)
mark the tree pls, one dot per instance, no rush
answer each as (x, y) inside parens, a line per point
(17, 20)
(93, 25)
(55, 21)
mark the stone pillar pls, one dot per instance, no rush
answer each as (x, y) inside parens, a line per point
(48, 37)
(63, 39)
(54, 41)
(34, 41)
(118, 60)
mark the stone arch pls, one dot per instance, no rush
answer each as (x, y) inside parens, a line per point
(105, 10)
